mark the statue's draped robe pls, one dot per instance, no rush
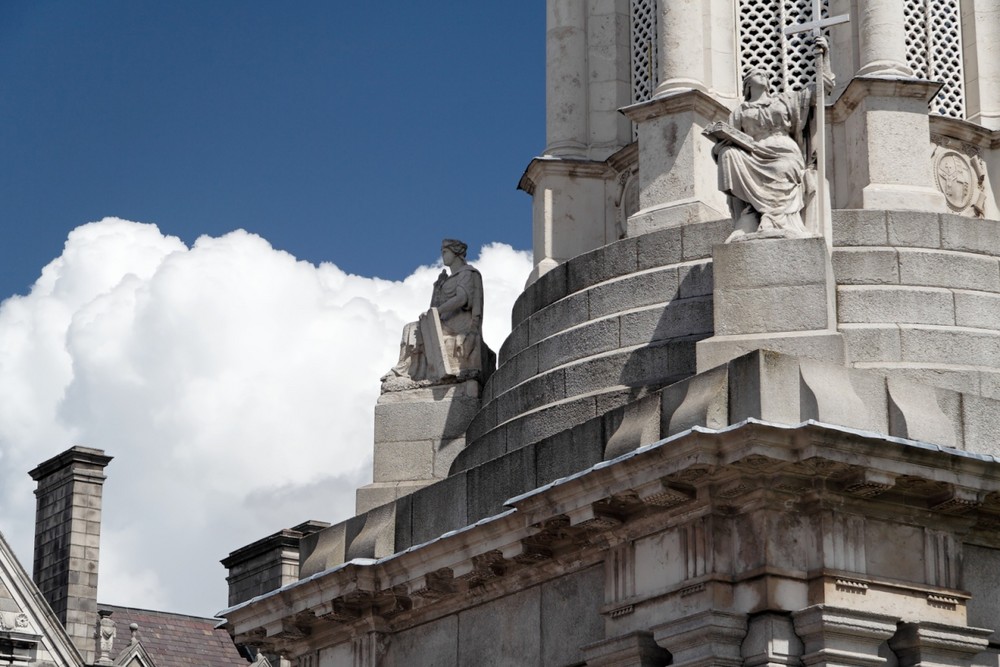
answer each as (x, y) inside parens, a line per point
(773, 178)
(462, 329)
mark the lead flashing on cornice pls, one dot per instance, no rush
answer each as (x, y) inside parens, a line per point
(365, 562)
(811, 423)
(702, 430)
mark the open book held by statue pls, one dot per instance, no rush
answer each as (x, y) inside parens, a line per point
(766, 161)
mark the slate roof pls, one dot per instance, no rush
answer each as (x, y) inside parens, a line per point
(175, 640)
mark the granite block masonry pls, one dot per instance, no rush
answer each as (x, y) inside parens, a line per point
(68, 539)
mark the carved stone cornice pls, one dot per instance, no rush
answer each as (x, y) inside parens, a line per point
(687, 480)
(862, 87)
(681, 102)
(547, 165)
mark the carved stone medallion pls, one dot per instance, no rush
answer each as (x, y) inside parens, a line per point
(955, 179)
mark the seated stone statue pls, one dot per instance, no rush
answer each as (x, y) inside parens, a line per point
(445, 344)
(762, 155)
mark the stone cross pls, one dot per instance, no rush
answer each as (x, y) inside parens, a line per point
(816, 28)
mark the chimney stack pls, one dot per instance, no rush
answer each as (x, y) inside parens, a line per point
(67, 539)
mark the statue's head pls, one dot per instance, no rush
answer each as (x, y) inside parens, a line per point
(755, 75)
(455, 246)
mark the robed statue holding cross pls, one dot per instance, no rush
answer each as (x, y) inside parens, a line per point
(770, 163)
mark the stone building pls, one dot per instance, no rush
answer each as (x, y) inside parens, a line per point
(54, 618)
(777, 450)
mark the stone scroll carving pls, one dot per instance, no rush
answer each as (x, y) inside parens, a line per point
(766, 163)
(445, 345)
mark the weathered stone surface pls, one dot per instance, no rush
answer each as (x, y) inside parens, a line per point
(769, 263)
(826, 394)
(871, 343)
(678, 318)
(503, 632)
(865, 266)
(695, 279)
(616, 259)
(569, 451)
(559, 316)
(634, 291)
(982, 573)
(401, 461)
(322, 550)
(659, 248)
(699, 239)
(770, 310)
(702, 400)
(588, 339)
(639, 425)
(429, 644)
(915, 413)
(949, 269)
(541, 390)
(438, 508)
(377, 537)
(570, 615)
(858, 227)
(820, 345)
(950, 345)
(444, 419)
(969, 235)
(981, 421)
(914, 229)
(548, 289)
(507, 476)
(900, 304)
(977, 309)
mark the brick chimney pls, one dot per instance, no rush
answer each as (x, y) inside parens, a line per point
(67, 539)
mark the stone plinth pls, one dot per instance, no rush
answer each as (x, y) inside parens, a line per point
(418, 433)
(678, 179)
(889, 130)
(774, 294)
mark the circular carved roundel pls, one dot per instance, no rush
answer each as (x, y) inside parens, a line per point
(955, 179)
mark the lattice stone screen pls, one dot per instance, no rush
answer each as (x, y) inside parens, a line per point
(788, 60)
(644, 52)
(934, 50)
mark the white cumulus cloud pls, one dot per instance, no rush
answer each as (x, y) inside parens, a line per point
(233, 384)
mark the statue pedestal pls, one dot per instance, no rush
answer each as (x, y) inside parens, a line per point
(772, 294)
(418, 433)
(678, 179)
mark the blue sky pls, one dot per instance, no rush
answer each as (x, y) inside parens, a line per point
(234, 385)
(353, 132)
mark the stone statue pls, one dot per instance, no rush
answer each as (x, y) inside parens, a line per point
(762, 155)
(446, 343)
(107, 629)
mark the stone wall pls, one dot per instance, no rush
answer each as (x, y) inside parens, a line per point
(918, 296)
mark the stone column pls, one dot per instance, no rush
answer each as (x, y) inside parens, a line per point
(926, 644)
(680, 32)
(835, 636)
(566, 78)
(981, 32)
(882, 35)
(705, 639)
